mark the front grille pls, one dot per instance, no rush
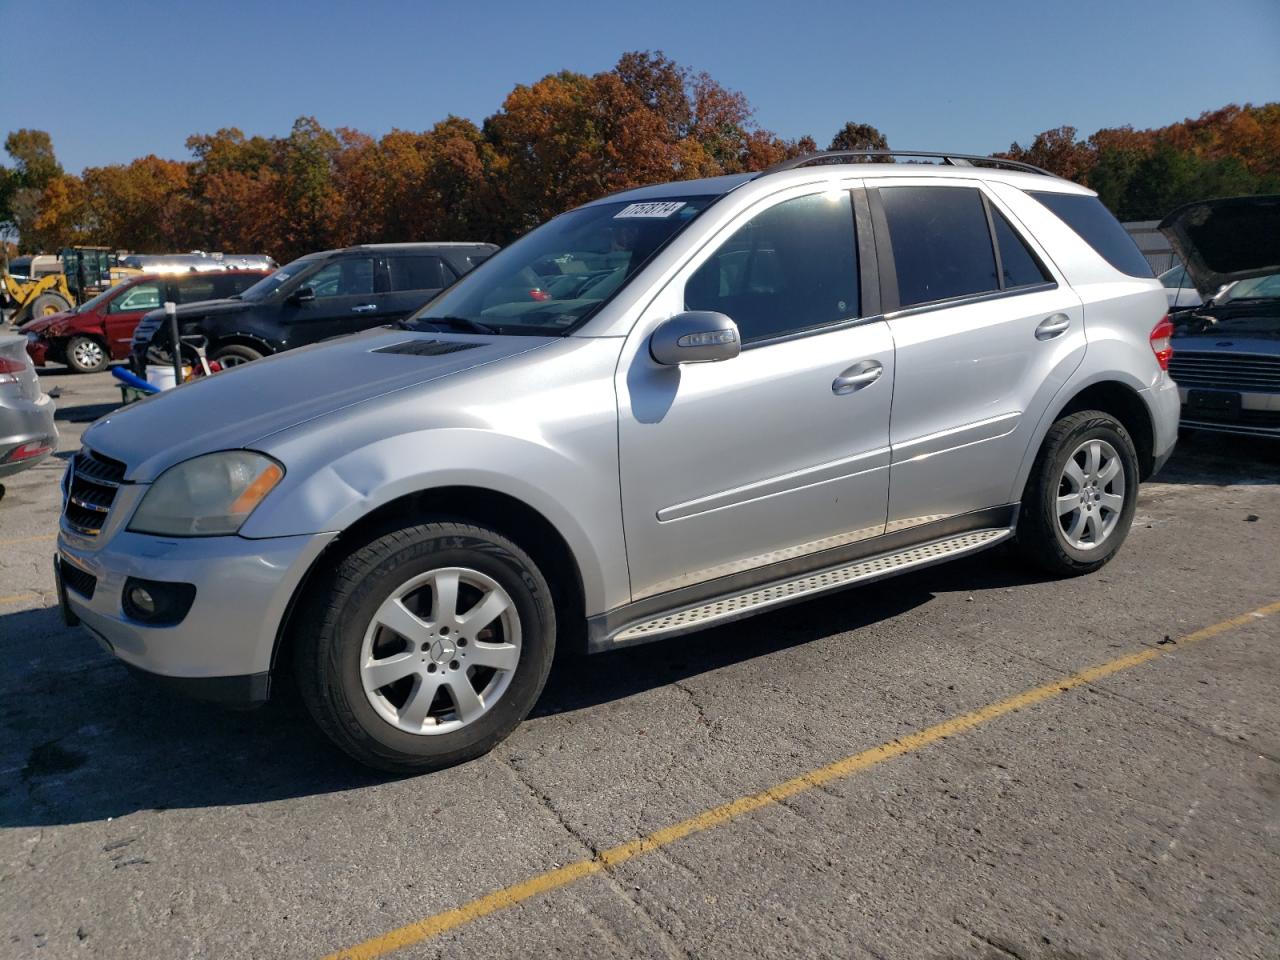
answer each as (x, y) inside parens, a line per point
(78, 580)
(92, 482)
(1247, 372)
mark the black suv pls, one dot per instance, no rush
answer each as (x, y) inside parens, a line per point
(319, 296)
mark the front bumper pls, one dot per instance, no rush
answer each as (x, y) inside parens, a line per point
(40, 351)
(22, 421)
(224, 646)
(1259, 414)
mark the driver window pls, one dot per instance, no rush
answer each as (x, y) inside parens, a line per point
(343, 278)
(790, 268)
(145, 296)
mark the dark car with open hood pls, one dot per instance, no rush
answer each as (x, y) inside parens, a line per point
(1226, 353)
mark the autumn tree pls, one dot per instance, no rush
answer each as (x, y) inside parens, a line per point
(22, 186)
(858, 136)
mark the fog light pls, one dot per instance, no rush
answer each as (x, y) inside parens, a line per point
(141, 598)
(157, 603)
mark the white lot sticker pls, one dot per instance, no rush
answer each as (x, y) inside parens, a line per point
(657, 209)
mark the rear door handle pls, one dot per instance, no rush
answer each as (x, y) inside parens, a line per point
(861, 374)
(365, 308)
(1054, 326)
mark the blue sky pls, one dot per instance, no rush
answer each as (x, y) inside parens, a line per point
(118, 81)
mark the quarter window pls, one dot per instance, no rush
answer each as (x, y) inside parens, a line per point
(194, 289)
(1018, 264)
(941, 243)
(790, 268)
(1097, 227)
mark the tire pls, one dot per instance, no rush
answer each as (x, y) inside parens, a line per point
(86, 355)
(234, 354)
(342, 645)
(1094, 507)
(47, 304)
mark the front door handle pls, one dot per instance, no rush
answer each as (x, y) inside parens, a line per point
(1054, 326)
(365, 308)
(861, 374)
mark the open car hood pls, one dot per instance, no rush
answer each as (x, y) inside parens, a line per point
(1225, 240)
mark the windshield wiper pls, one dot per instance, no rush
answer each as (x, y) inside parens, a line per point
(448, 323)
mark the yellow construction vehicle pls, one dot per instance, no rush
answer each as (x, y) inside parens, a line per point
(86, 272)
(30, 299)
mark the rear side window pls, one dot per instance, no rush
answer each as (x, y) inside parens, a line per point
(941, 243)
(195, 288)
(142, 296)
(1018, 264)
(418, 273)
(1098, 228)
(229, 284)
(790, 268)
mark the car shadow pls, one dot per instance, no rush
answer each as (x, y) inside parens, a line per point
(83, 740)
(85, 412)
(1219, 459)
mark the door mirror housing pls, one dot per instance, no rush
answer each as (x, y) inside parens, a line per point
(696, 336)
(302, 295)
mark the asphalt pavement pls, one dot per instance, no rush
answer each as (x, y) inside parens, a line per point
(967, 762)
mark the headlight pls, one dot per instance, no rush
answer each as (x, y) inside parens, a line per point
(207, 496)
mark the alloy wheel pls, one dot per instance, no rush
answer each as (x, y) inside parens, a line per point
(1091, 494)
(440, 651)
(88, 354)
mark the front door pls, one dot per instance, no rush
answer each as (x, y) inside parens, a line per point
(343, 302)
(125, 310)
(782, 452)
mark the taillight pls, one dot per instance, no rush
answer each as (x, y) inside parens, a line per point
(1162, 342)
(34, 448)
(10, 368)
(537, 293)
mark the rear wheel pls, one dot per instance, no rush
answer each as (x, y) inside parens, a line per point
(234, 354)
(86, 355)
(426, 647)
(1081, 495)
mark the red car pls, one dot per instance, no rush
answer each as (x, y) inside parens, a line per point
(89, 337)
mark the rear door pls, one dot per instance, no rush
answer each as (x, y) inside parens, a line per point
(412, 280)
(985, 333)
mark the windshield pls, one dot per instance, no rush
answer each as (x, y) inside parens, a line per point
(554, 278)
(270, 284)
(1256, 288)
(90, 305)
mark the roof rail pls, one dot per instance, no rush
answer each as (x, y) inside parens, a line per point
(948, 159)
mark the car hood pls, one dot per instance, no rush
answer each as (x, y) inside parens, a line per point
(242, 406)
(1225, 240)
(43, 324)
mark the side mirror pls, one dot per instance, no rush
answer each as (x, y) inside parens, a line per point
(302, 295)
(697, 336)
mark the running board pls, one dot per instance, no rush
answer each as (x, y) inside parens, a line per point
(783, 592)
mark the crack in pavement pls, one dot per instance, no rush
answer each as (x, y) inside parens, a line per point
(670, 947)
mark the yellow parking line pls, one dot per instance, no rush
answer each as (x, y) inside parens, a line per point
(19, 597)
(412, 933)
(46, 536)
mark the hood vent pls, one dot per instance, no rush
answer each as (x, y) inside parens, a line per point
(427, 348)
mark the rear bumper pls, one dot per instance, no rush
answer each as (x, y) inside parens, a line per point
(1163, 403)
(40, 351)
(22, 421)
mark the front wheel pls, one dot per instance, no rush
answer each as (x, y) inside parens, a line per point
(1081, 495)
(426, 647)
(86, 355)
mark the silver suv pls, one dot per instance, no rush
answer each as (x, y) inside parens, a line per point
(667, 409)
